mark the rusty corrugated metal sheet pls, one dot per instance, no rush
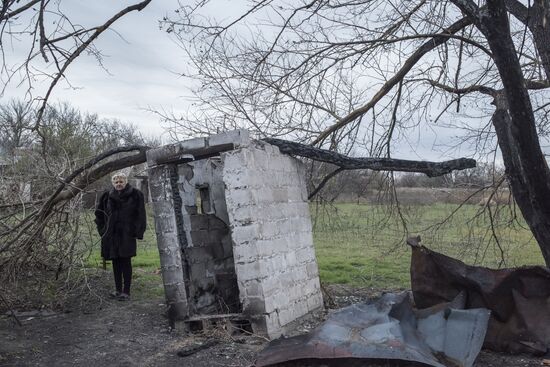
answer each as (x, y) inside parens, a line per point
(388, 330)
(519, 298)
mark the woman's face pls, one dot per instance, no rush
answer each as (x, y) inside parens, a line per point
(119, 183)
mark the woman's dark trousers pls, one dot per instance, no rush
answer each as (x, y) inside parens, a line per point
(122, 269)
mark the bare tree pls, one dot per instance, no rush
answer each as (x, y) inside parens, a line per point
(15, 125)
(363, 74)
(52, 41)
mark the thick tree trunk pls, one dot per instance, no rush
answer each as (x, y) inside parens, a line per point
(516, 129)
(537, 19)
(539, 24)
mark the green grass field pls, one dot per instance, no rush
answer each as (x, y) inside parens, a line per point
(364, 245)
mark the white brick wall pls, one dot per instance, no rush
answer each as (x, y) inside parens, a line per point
(271, 231)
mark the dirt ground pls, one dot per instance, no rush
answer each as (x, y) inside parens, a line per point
(136, 333)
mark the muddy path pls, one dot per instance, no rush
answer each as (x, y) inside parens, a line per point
(136, 333)
(131, 333)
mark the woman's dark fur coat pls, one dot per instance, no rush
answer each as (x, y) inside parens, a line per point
(120, 219)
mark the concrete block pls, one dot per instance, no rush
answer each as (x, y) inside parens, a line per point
(245, 233)
(281, 181)
(311, 286)
(279, 300)
(229, 264)
(261, 159)
(254, 288)
(216, 251)
(277, 165)
(290, 209)
(305, 239)
(192, 144)
(197, 255)
(240, 197)
(294, 292)
(294, 194)
(265, 248)
(312, 270)
(314, 301)
(247, 271)
(243, 214)
(286, 316)
(265, 195)
(197, 271)
(200, 238)
(239, 138)
(199, 221)
(300, 308)
(299, 274)
(271, 285)
(280, 245)
(241, 178)
(286, 226)
(307, 232)
(280, 195)
(302, 209)
(305, 255)
(254, 305)
(269, 230)
(188, 200)
(269, 303)
(216, 235)
(216, 223)
(245, 253)
(279, 263)
(227, 246)
(234, 161)
(266, 266)
(290, 259)
(287, 280)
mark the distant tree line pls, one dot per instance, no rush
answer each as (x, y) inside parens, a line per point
(361, 183)
(484, 175)
(67, 138)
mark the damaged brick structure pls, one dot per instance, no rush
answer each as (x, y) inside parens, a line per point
(234, 231)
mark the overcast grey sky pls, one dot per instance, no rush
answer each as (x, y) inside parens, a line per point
(144, 66)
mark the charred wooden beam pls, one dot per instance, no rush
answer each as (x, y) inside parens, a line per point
(431, 169)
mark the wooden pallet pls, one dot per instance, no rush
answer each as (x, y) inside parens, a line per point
(234, 322)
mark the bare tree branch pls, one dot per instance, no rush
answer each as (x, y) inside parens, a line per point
(398, 76)
(98, 30)
(431, 169)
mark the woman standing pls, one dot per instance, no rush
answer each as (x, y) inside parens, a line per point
(120, 219)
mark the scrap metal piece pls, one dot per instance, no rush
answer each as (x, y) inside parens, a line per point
(388, 330)
(519, 298)
(457, 334)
